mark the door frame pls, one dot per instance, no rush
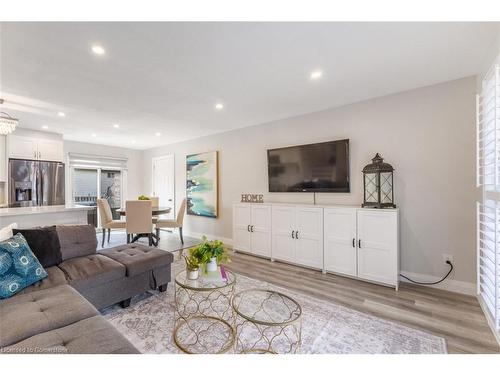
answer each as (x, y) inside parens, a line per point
(155, 159)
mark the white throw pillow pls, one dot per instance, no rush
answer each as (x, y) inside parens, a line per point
(6, 233)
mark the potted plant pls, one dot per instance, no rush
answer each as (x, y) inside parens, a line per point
(143, 198)
(192, 267)
(211, 254)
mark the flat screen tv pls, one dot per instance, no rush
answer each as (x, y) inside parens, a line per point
(319, 167)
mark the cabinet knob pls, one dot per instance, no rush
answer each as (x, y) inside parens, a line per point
(297, 235)
(293, 234)
(354, 242)
(248, 228)
(359, 243)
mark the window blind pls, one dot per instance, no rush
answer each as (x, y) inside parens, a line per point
(94, 161)
(488, 278)
(488, 178)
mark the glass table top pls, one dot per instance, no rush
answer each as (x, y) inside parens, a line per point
(203, 282)
(266, 307)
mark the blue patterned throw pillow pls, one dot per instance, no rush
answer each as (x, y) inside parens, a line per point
(19, 268)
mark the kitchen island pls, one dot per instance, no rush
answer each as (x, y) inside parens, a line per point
(29, 217)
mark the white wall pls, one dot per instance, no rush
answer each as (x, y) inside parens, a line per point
(427, 134)
(134, 163)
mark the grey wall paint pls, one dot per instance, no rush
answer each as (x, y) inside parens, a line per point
(428, 134)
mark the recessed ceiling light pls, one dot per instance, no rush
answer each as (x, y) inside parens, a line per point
(61, 114)
(45, 127)
(98, 50)
(157, 134)
(133, 141)
(219, 106)
(94, 135)
(317, 74)
(116, 126)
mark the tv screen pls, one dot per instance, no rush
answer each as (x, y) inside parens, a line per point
(318, 167)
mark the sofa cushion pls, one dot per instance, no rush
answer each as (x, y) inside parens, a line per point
(55, 277)
(19, 267)
(139, 258)
(76, 240)
(89, 336)
(86, 272)
(44, 242)
(30, 314)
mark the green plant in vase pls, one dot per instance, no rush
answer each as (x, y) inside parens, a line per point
(143, 198)
(210, 254)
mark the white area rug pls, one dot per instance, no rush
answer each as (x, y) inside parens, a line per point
(326, 327)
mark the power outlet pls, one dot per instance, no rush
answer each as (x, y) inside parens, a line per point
(447, 257)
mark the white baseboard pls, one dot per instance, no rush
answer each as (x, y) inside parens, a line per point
(227, 241)
(489, 319)
(451, 285)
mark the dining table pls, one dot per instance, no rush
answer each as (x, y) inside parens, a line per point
(155, 211)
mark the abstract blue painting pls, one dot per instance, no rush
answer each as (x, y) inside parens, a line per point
(201, 184)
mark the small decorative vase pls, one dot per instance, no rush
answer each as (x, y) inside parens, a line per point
(212, 265)
(192, 274)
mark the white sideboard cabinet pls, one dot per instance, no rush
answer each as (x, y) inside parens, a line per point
(362, 243)
(352, 241)
(252, 229)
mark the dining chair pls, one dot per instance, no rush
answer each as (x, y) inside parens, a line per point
(155, 202)
(107, 222)
(177, 223)
(138, 214)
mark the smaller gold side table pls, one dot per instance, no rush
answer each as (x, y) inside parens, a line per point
(203, 317)
(266, 322)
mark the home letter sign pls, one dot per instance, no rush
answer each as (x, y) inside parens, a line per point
(252, 198)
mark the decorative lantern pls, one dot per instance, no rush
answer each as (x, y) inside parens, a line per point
(378, 180)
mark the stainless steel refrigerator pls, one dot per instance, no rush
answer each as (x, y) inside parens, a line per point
(35, 183)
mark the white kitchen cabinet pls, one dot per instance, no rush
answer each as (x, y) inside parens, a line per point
(50, 150)
(378, 258)
(22, 147)
(297, 233)
(252, 229)
(340, 240)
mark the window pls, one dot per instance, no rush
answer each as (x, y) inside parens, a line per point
(488, 211)
(95, 177)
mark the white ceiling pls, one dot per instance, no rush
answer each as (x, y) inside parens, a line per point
(167, 77)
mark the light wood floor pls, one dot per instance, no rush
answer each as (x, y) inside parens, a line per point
(456, 317)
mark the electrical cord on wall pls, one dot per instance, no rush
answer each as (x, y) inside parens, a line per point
(430, 283)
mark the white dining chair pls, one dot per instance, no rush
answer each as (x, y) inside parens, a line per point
(107, 222)
(177, 223)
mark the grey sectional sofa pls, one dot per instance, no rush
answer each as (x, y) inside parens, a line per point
(60, 313)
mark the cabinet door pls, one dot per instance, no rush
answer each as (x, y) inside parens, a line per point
(309, 237)
(242, 218)
(283, 223)
(378, 250)
(340, 240)
(50, 150)
(261, 230)
(22, 147)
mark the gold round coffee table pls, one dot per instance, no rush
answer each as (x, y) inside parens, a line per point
(266, 321)
(203, 317)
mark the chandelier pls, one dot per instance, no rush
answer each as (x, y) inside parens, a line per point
(7, 123)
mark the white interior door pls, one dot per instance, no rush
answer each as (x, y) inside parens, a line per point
(242, 221)
(164, 183)
(309, 237)
(377, 246)
(261, 230)
(340, 240)
(283, 223)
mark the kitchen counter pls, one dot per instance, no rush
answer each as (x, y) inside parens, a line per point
(29, 217)
(16, 211)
